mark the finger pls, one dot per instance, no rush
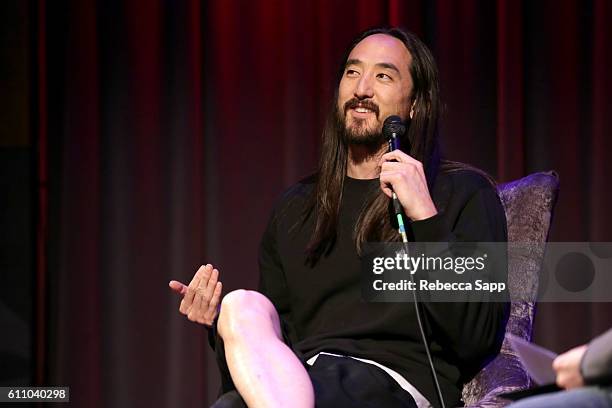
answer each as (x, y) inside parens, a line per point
(386, 188)
(387, 191)
(191, 290)
(390, 177)
(557, 363)
(560, 381)
(564, 380)
(195, 311)
(192, 314)
(205, 284)
(206, 274)
(214, 303)
(392, 166)
(210, 287)
(408, 171)
(384, 180)
(199, 276)
(178, 287)
(414, 170)
(199, 306)
(400, 157)
(203, 293)
(387, 179)
(396, 155)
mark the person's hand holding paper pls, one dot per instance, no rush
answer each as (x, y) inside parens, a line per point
(567, 367)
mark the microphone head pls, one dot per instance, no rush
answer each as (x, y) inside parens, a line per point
(393, 125)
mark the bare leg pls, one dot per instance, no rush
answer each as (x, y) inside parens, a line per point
(265, 371)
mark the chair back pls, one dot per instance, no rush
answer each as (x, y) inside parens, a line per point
(529, 204)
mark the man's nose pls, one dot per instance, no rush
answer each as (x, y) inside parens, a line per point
(364, 88)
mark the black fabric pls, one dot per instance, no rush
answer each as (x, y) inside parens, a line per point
(230, 399)
(322, 307)
(346, 382)
(596, 364)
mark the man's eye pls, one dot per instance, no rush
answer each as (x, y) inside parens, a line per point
(384, 76)
(351, 72)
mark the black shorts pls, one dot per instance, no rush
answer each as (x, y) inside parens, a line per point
(338, 382)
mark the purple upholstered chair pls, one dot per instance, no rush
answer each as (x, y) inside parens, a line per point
(529, 204)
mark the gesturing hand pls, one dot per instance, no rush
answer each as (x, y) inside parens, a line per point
(406, 177)
(567, 367)
(201, 297)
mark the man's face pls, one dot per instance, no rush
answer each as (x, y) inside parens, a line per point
(376, 84)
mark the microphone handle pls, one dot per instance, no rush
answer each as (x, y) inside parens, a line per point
(393, 143)
(397, 206)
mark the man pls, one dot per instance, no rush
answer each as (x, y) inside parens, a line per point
(307, 336)
(585, 372)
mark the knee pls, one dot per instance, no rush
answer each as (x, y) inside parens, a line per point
(243, 312)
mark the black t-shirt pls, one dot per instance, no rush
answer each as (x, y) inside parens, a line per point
(322, 307)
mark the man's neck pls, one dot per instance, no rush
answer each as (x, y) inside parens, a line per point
(363, 161)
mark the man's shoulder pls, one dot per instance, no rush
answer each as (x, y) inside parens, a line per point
(465, 178)
(301, 189)
(457, 183)
(296, 197)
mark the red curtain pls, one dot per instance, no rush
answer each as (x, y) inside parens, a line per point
(172, 127)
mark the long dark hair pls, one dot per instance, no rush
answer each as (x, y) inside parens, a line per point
(374, 223)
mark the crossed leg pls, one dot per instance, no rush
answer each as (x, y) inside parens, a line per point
(265, 371)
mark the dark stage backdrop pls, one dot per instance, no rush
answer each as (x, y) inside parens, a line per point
(168, 128)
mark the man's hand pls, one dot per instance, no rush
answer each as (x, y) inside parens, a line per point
(407, 178)
(201, 297)
(567, 366)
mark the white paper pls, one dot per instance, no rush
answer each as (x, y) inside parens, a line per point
(536, 360)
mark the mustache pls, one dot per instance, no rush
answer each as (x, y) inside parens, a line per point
(356, 103)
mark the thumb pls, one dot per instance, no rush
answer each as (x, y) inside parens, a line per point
(178, 287)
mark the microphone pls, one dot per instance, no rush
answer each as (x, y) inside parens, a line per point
(393, 129)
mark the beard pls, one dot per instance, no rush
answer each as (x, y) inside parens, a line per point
(358, 132)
